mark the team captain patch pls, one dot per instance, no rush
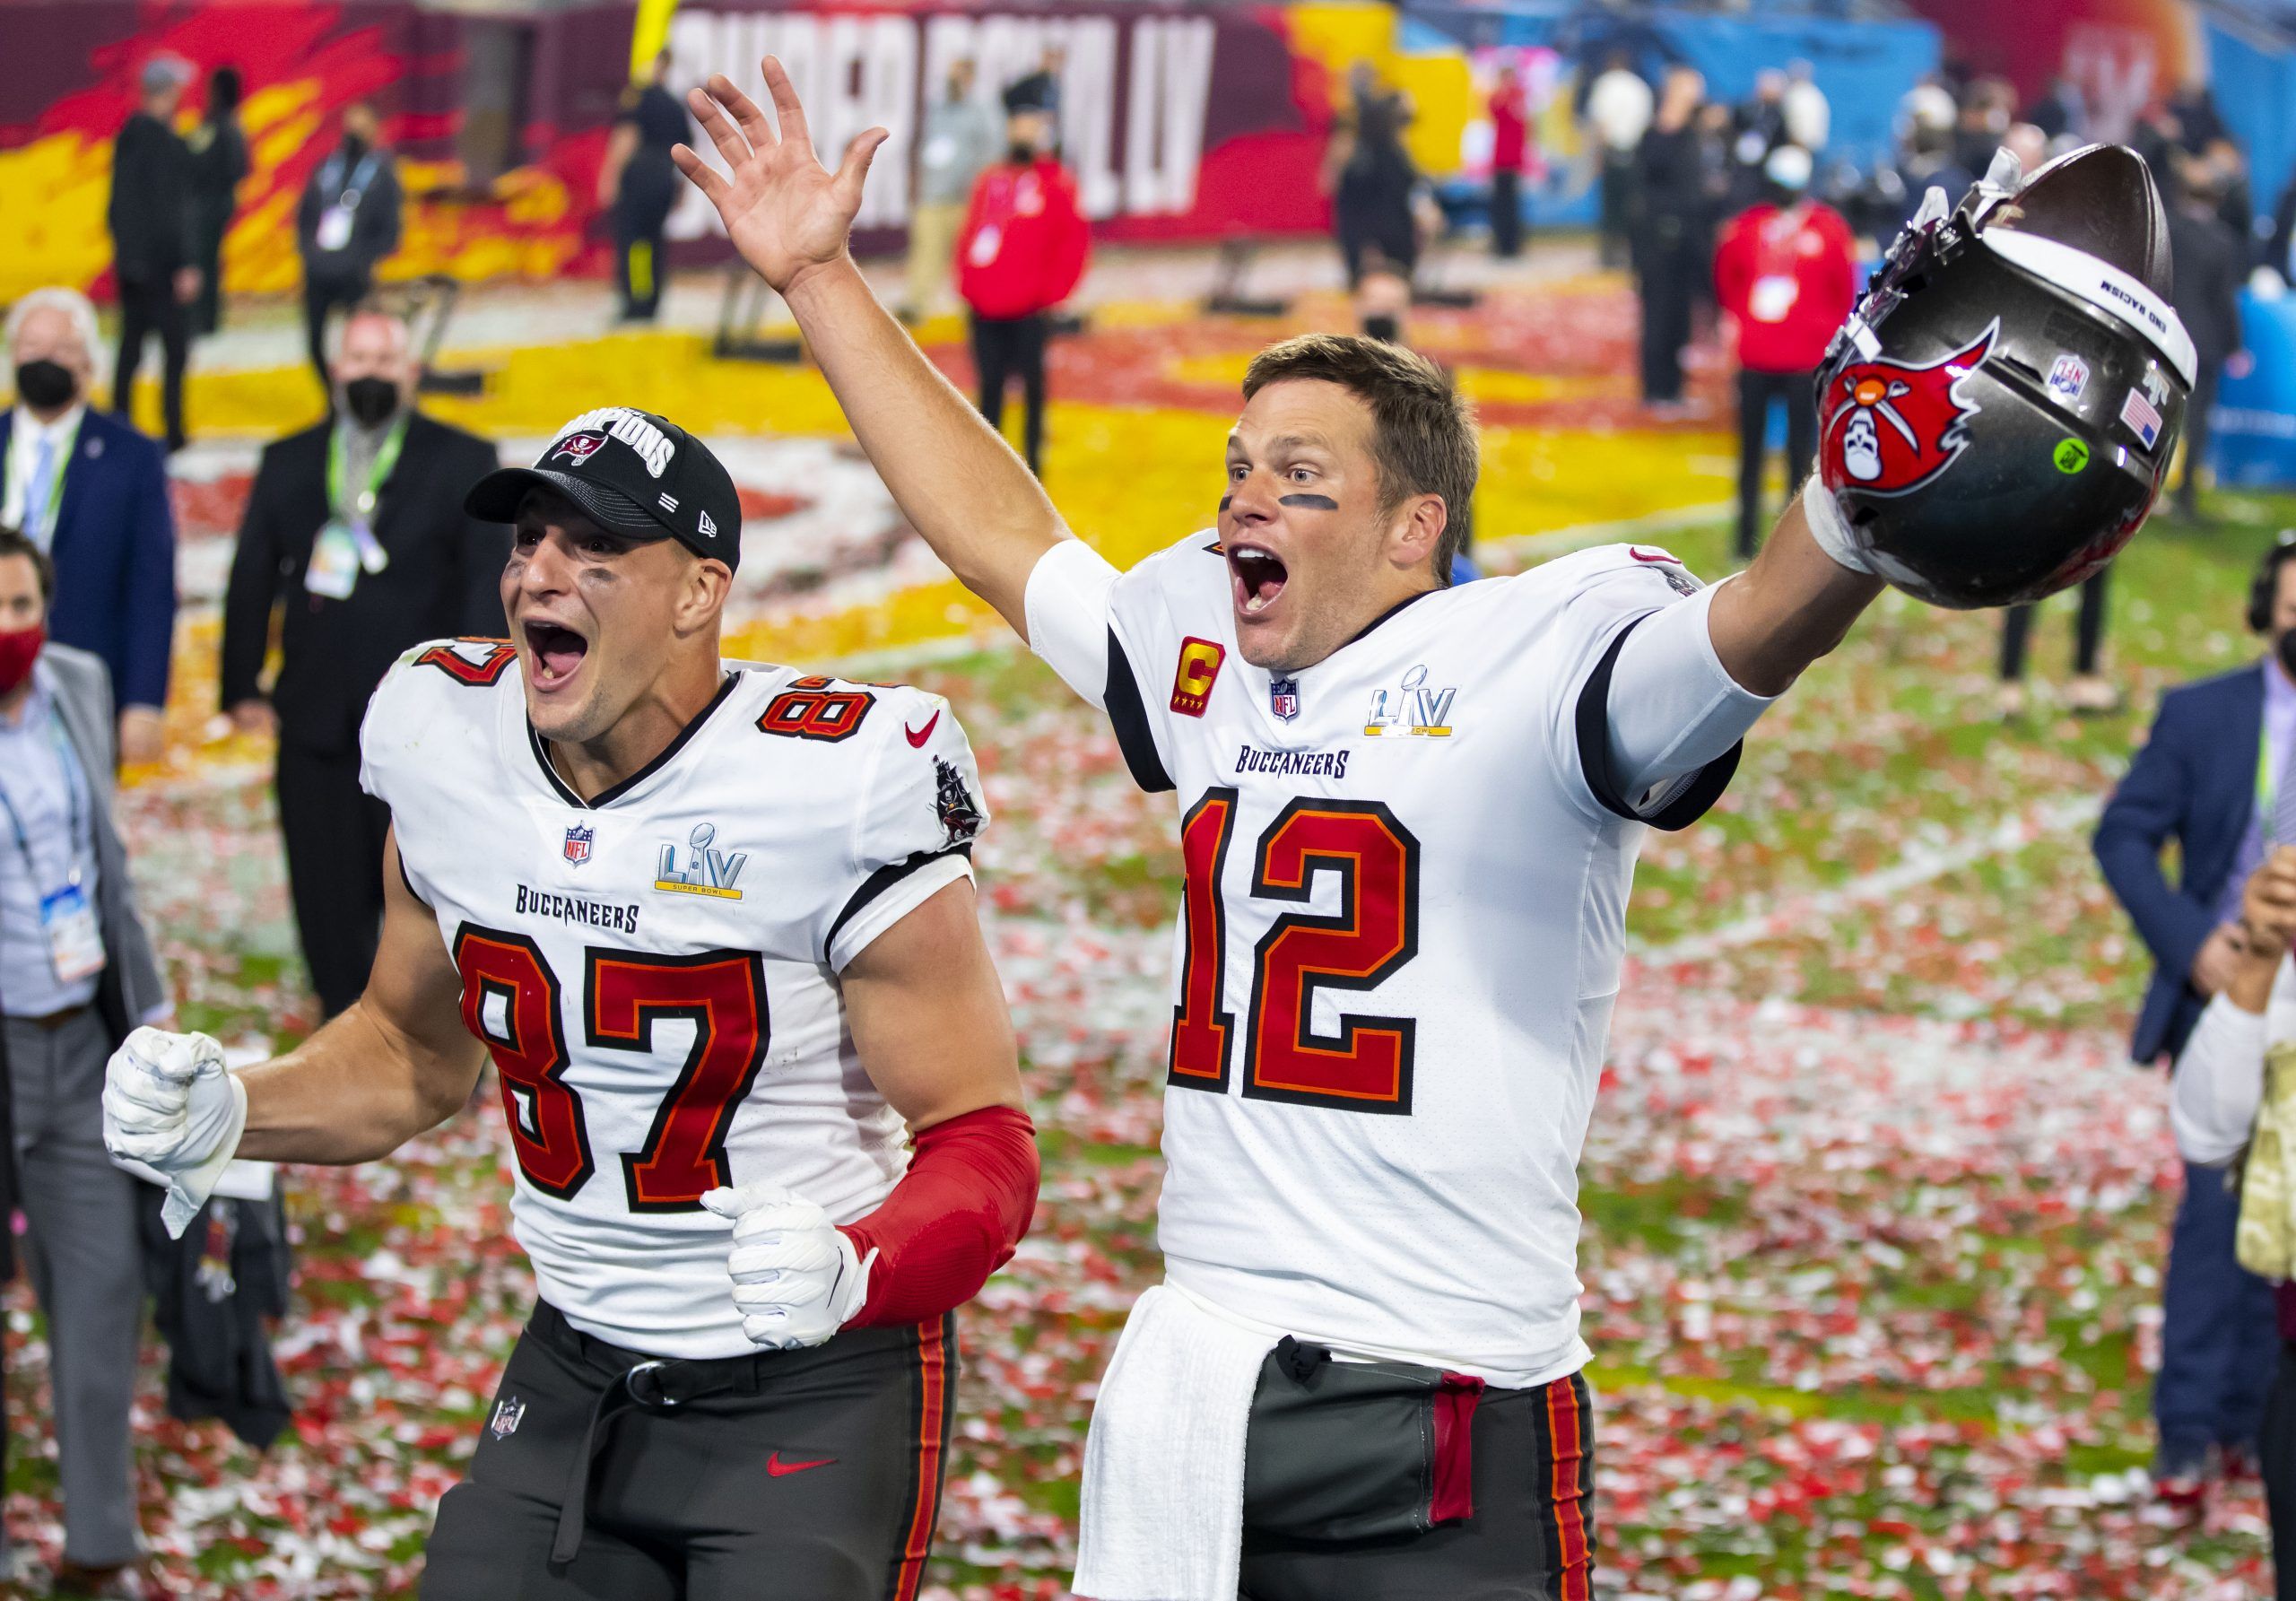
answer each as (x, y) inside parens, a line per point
(1198, 670)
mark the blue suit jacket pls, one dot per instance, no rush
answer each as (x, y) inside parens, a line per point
(2194, 782)
(115, 552)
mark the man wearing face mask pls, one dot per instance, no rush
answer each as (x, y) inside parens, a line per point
(91, 492)
(347, 221)
(76, 976)
(356, 529)
(2218, 777)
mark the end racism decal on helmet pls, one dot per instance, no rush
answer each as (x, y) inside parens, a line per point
(1888, 428)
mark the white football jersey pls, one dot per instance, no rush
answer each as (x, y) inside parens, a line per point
(1407, 870)
(654, 972)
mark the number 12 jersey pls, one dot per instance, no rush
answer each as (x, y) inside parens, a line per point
(1401, 936)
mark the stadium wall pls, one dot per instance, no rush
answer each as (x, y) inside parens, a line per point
(1185, 121)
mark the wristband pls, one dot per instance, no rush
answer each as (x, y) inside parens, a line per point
(1823, 514)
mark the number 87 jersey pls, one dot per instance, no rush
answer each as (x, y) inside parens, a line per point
(655, 972)
(1406, 870)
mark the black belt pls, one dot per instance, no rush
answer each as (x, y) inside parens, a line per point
(49, 1021)
(655, 1384)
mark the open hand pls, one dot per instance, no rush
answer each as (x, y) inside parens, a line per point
(786, 214)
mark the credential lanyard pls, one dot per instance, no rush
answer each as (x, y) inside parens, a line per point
(358, 513)
(73, 811)
(2267, 792)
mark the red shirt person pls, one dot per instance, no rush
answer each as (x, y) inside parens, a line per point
(1021, 253)
(1510, 130)
(1785, 274)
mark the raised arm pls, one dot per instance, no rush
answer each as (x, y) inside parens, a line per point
(1792, 606)
(397, 1063)
(961, 486)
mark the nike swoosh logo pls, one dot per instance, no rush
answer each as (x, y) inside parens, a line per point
(918, 736)
(776, 1467)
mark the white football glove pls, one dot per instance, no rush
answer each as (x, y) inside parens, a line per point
(169, 1102)
(1822, 512)
(796, 1277)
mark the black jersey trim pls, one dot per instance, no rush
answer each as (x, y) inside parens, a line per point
(606, 797)
(1692, 794)
(882, 880)
(1129, 717)
(398, 853)
(1380, 622)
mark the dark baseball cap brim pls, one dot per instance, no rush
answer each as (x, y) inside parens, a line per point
(497, 497)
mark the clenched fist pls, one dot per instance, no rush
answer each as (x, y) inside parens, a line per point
(169, 1101)
(796, 1277)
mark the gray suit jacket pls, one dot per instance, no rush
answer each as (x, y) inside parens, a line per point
(131, 988)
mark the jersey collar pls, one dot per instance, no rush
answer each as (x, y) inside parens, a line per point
(606, 797)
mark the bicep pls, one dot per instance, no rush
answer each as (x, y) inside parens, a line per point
(928, 1016)
(415, 991)
(1672, 706)
(1067, 606)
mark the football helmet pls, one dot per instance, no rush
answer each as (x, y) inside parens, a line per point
(1996, 417)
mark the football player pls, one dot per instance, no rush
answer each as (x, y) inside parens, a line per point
(1408, 818)
(715, 924)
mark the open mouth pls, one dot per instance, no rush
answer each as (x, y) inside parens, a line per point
(1258, 577)
(557, 653)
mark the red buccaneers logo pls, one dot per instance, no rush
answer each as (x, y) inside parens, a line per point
(578, 448)
(1890, 428)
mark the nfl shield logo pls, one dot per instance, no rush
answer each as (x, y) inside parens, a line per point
(1283, 698)
(578, 843)
(508, 1413)
(2068, 377)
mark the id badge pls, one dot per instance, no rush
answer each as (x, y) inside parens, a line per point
(334, 228)
(75, 944)
(332, 572)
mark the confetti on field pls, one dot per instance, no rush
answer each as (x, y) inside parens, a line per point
(1875, 1210)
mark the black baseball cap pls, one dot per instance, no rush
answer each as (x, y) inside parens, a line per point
(631, 473)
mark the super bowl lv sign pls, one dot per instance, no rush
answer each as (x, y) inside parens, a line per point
(1134, 92)
(1888, 428)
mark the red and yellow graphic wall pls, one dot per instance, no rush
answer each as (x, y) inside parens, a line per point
(1185, 121)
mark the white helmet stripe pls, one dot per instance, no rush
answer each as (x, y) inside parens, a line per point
(2104, 286)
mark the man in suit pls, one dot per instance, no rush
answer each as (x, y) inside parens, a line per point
(76, 976)
(346, 222)
(355, 529)
(2218, 775)
(154, 220)
(93, 494)
(2211, 264)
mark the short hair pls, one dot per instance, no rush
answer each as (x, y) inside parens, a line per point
(14, 544)
(75, 305)
(1423, 430)
(340, 326)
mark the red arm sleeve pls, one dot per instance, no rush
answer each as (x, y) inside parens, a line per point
(952, 1221)
(1730, 269)
(1071, 244)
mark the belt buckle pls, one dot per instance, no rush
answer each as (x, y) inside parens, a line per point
(645, 1376)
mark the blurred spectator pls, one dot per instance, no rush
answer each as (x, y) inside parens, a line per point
(1619, 108)
(1669, 238)
(1927, 160)
(1510, 144)
(2276, 237)
(355, 530)
(2089, 694)
(219, 161)
(638, 183)
(1040, 92)
(2219, 1088)
(958, 141)
(76, 976)
(2197, 123)
(92, 493)
(2217, 777)
(1784, 272)
(2060, 111)
(1021, 254)
(1371, 179)
(1762, 118)
(1988, 106)
(1809, 115)
(154, 216)
(2212, 262)
(347, 222)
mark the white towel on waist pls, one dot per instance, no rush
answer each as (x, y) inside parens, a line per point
(1163, 1515)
